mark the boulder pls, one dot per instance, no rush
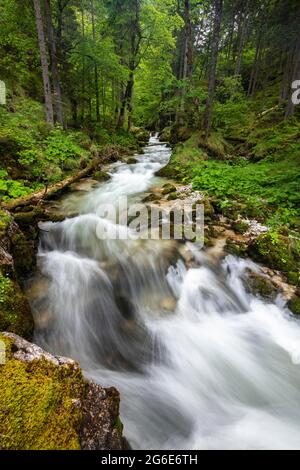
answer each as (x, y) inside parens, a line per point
(47, 404)
(168, 189)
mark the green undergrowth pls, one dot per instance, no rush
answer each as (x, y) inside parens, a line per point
(265, 183)
(33, 155)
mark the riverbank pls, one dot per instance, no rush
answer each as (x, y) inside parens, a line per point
(251, 180)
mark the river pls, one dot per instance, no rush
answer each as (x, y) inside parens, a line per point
(200, 363)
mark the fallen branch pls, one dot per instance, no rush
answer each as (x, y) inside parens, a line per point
(50, 191)
(268, 111)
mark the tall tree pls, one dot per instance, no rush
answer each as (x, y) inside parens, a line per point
(95, 65)
(58, 103)
(218, 8)
(44, 62)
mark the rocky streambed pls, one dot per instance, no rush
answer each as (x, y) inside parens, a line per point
(165, 323)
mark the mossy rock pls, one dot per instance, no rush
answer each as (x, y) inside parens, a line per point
(293, 278)
(101, 176)
(38, 404)
(5, 222)
(261, 286)
(236, 248)
(15, 313)
(275, 251)
(240, 226)
(294, 305)
(46, 404)
(23, 252)
(172, 196)
(168, 189)
(28, 217)
(131, 161)
(152, 198)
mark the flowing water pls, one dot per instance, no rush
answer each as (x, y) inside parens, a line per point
(200, 362)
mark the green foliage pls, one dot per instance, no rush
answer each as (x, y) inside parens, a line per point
(10, 188)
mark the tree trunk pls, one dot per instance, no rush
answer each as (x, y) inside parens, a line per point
(188, 54)
(58, 104)
(95, 67)
(213, 65)
(83, 65)
(254, 71)
(44, 62)
(243, 36)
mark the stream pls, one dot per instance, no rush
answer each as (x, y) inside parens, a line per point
(200, 362)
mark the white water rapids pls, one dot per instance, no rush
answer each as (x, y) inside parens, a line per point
(200, 363)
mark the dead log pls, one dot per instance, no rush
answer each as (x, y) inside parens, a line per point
(50, 191)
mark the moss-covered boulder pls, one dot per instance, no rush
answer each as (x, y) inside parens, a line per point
(236, 248)
(294, 305)
(131, 161)
(276, 251)
(172, 196)
(168, 189)
(101, 175)
(260, 286)
(152, 198)
(46, 404)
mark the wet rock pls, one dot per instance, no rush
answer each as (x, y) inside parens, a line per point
(168, 188)
(101, 426)
(131, 161)
(101, 176)
(168, 304)
(261, 286)
(236, 248)
(46, 404)
(152, 198)
(172, 196)
(294, 305)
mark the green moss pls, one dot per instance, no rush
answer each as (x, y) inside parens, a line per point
(261, 285)
(38, 405)
(240, 227)
(131, 161)
(275, 251)
(236, 248)
(15, 314)
(119, 426)
(168, 188)
(101, 176)
(294, 305)
(23, 253)
(5, 221)
(172, 196)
